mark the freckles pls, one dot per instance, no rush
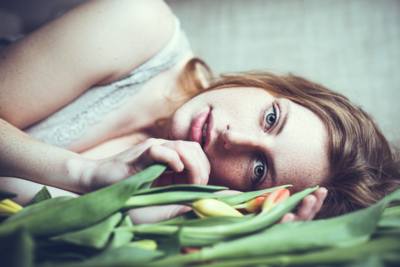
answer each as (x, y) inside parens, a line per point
(300, 177)
(229, 171)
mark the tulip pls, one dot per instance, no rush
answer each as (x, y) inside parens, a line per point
(9, 207)
(148, 244)
(275, 198)
(253, 205)
(256, 204)
(214, 208)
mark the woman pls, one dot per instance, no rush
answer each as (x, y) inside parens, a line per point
(112, 87)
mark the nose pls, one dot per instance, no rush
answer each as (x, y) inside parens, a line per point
(237, 139)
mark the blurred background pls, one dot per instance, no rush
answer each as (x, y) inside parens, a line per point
(351, 46)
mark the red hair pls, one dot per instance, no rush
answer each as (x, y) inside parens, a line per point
(363, 167)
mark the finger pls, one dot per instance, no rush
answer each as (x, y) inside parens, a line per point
(288, 217)
(194, 160)
(320, 195)
(305, 211)
(206, 169)
(130, 155)
(159, 153)
(201, 168)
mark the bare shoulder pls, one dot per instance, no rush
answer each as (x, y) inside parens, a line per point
(136, 30)
(97, 41)
(123, 33)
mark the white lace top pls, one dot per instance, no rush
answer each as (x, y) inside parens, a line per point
(71, 122)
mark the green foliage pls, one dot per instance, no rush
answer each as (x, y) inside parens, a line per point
(95, 236)
(77, 213)
(43, 194)
(94, 230)
(16, 248)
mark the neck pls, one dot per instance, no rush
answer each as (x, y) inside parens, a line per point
(165, 102)
(163, 106)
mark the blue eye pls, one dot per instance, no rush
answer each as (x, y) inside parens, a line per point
(271, 117)
(259, 171)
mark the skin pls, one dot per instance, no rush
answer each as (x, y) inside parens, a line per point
(238, 133)
(294, 144)
(68, 77)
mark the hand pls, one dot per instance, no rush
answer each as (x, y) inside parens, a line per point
(308, 208)
(183, 157)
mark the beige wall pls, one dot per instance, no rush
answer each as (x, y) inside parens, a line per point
(351, 46)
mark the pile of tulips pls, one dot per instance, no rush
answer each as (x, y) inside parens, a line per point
(221, 230)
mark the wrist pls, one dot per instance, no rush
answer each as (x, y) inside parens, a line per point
(80, 171)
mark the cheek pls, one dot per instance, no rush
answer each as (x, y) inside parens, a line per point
(229, 171)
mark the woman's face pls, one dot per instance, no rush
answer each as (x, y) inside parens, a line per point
(254, 140)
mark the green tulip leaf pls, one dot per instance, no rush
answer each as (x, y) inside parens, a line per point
(43, 194)
(182, 187)
(84, 211)
(128, 256)
(246, 196)
(165, 198)
(17, 248)
(95, 236)
(122, 234)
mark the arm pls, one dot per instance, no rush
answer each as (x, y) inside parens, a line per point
(95, 43)
(24, 157)
(66, 170)
(45, 164)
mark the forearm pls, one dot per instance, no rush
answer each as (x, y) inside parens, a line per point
(24, 157)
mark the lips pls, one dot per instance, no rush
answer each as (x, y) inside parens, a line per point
(199, 128)
(206, 131)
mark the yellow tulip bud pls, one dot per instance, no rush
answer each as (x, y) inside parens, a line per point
(9, 207)
(214, 208)
(148, 244)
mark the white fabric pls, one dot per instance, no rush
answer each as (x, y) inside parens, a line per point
(71, 122)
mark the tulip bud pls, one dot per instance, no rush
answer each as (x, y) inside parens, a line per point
(148, 244)
(255, 204)
(214, 208)
(275, 198)
(9, 207)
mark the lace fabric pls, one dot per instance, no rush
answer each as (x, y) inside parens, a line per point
(72, 121)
